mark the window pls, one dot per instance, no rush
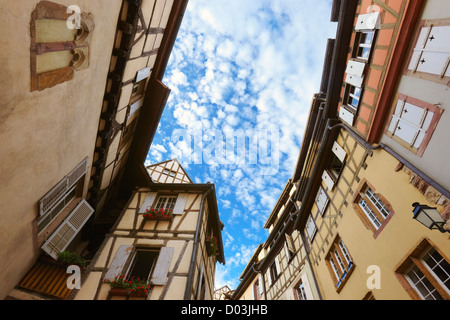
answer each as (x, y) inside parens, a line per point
(273, 272)
(143, 263)
(413, 122)
(300, 292)
(425, 273)
(166, 202)
(257, 288)
(432, 52)
(364, 41)
(352, 97)
(340, 263)
(373, 209)
(334, 166)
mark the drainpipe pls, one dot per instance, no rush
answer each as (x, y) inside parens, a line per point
(190, 277)
(263, 280)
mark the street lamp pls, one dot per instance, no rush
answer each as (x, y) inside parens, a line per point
(429, 217)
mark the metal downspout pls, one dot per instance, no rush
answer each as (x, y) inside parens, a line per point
(187, 292)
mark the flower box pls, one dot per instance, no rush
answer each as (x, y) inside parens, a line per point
(211, 246)
(158, 215)
(119, 292)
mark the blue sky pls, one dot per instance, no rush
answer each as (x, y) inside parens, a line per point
(249, 67)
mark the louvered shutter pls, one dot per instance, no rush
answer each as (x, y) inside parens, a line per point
(290, 243)
(369, 21)
(181, 203)
(162, 266)
(67, 231)
(58, 192)
(148, 202)
(118, 263)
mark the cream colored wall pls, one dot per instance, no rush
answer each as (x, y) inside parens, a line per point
(178, 234)
(43, 135)
(400, 235)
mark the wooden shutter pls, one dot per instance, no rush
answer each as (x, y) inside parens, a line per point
(327, 180)
(354, 80)
(260, 286)
(277, 265)
(368, 21)
(181, 203)
(339, 152)
(62, 187)
(162, 266)
(432, 51)
(118, 263)
(321, 199)
(356, 68)
(143, 74)
(346, 115)
(311, 227)
(67, 231)
(290, 243)
(76, 174)
(148, 202)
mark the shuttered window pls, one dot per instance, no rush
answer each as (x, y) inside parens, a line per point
(413, 122)
(61, 195)
(67, 231)
(168, 202)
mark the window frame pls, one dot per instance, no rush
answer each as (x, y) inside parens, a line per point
(414, 46)
(437, 113)
(339, 263)
(133, 258)
(357, 44)
(414, 258)
(361, 195)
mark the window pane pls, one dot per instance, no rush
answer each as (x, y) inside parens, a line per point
(439, 266)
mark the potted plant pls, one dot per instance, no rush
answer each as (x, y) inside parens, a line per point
(211, 246)
(158, 214)
(133, 287)
(72, 258)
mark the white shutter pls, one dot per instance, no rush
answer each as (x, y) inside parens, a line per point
(354, 80)
(162, 266)
(311, 227)
(181, 203)
(321, 199)
(368, 21)
(143, 74)
(75, 175)
(339, 152)
(277, 265)
(67, 231)
(59, 191)
(118, 263)
(260, 285)
(327, 179)
(356, 68)
(346, 115)
(148, 202)
(432, 52)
